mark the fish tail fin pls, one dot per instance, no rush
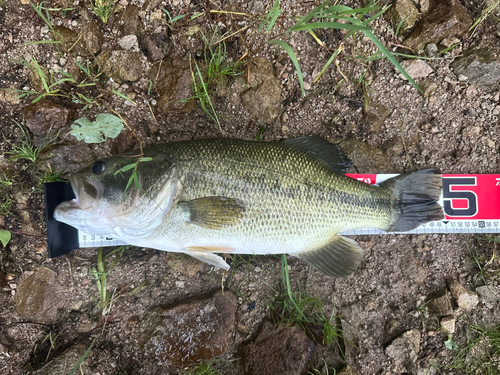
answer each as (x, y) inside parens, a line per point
(417, 195)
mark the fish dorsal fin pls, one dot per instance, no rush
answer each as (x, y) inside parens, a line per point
(209, 258)
(213, 212)
(330, 153)
(338, 258)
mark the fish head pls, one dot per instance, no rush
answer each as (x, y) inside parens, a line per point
(122, 196)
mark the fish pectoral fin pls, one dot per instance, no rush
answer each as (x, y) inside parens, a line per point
(213, 212)
(338, 258)
(331, 154)
(209, 258)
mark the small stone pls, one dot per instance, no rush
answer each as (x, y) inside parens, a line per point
(92, 37)
(448, 324)
(402, 13)
(488, 295)
(465, 298)
(440, 305)
(45, 116)
(123, 66)
(376, 113)
(132, 23)
(263, 97)
(179, 284)
(366, 157)
(9, 96)
(128, 42)
(417, 68)
(431, 49)
(448, 42)
(481, 66)
(156, 15)
(403, 352)
(446, 19)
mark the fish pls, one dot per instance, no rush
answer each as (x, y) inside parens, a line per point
(229, 196)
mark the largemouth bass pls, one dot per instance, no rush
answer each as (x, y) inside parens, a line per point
(232, 196)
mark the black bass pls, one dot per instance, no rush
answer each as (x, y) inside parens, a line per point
(232, 196)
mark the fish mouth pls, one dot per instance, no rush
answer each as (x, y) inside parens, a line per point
(87, 193)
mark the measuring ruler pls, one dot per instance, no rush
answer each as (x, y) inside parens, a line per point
(471, 204)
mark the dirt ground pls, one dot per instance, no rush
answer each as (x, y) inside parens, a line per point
(49, 308)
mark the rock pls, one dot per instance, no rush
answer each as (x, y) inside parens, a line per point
(64, 363)
(428, 87)
(412, 268)
(465, 298)
(448, 324)
(481, 66)
(128, 42)
(446, 19)
(278, 350)
(365, 157)
(174, 84)
(123, 66)
(376, 113)
(417, 68)
(39, 296)
(431, 49)
(262, 100)
(70, 156)
(403, 352)
(92, 37)
(440, 304)
(9, 96)
(132, 23)
(45, 116)
(404, 12)
(151, 47)
(488, 295)
(197, 329)
(64, 35)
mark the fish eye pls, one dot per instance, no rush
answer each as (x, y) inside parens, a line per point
(98, 167)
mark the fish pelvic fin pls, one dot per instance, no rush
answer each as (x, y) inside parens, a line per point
(339, 258)
(416, 198)
(209, 258)
(213, 212)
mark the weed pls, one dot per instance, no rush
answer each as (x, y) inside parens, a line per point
(484, 14)
(103, 9)
(171, 20)
(485, 264)
(304, 310)
(217, 71)
(25, 148)
(5, 181)
(315, 371)
(5, 206)
(205, 368)
(80, 360)
(106, 299)
(133, 177)
(343, 18)
(481, 354)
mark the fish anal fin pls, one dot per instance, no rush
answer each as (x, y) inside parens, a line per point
(331, 154)
(214, 212)
(338, 258)
(209, 258)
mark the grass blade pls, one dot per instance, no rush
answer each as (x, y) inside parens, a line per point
(293, 57)
(392, 59)
(82, 358)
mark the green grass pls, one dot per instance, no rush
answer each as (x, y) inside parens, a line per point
(100, 274)
(302, 309)
(216, 71)
(484, 14)
(481, 355)
(205, 368)
(5, 205)
(340, 17)
(103, 9)
(25, 148)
